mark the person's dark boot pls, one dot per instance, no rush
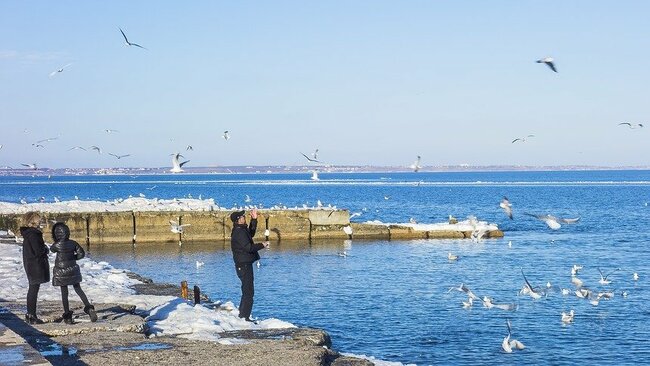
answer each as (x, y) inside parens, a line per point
(67, 317)
(32, 319)
(90, 310)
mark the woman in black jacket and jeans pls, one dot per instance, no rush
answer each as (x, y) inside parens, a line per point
(66, 270)
(35, 260)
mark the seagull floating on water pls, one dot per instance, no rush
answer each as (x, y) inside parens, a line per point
(635, 276)
(452, 257)
(568, 317)
(549, 62)
(199, 264)
(127, 40)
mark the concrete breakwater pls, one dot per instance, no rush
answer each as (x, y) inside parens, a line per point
(307, 224)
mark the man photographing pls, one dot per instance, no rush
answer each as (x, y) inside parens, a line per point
(244, 252)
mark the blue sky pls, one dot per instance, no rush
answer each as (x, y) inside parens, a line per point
(365, 82)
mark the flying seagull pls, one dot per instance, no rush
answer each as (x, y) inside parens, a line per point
(127, 40)
(549, 62)
(315, 154)
(58, 70)
(509, 344)
(416, 165)
(76, 147)
(630, 125)
(603, 278)
(119, 156)
(553, 222)
(189, 148)
(46, 140)
(310, 159)
(506, 206)
(108, 130)
(522, 139)
(226, 135)
(99, 151)
(30, 166)
(529, 288)
(176, 165)
(176, 228)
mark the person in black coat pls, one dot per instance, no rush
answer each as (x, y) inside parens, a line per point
(244, 252)
(35, 261)
(66, 271)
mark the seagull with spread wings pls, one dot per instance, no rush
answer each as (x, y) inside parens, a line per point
(522, 139)
(127, 40)
(53, 73)
(119, 156)
(631, 125)
(310, 159)
(549, 62)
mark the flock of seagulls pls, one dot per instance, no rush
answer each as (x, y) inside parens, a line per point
(542, 292)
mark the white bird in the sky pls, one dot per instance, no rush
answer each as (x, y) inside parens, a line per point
(603, 278)
(99, 151)
(315, 154)
(127, 40)
(77, 148)
(226, 135)
(508, 344)
(53, 73)
(30, 166)
(631, 125)
(416, 165)
(176, 164)
(549, 62)
(310, 159)
(522, 139)
(108, 130)
(506, 206)
(46, 140)
(568, 317)
(176, 228)
(119, 156)
(189, 148)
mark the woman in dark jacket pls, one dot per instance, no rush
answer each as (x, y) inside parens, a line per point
(66, 270)
(35, 261)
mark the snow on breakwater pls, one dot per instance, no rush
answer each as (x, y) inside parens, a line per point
(166, 315)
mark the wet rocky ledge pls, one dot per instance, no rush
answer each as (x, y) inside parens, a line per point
(120, 338)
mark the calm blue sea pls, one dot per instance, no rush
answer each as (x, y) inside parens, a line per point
(390, 299)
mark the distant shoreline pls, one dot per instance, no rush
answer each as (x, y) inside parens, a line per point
(285, 169)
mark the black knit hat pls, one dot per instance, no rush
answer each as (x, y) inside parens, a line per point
(236, 215)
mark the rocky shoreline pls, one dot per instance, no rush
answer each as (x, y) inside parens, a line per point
(120, 337)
